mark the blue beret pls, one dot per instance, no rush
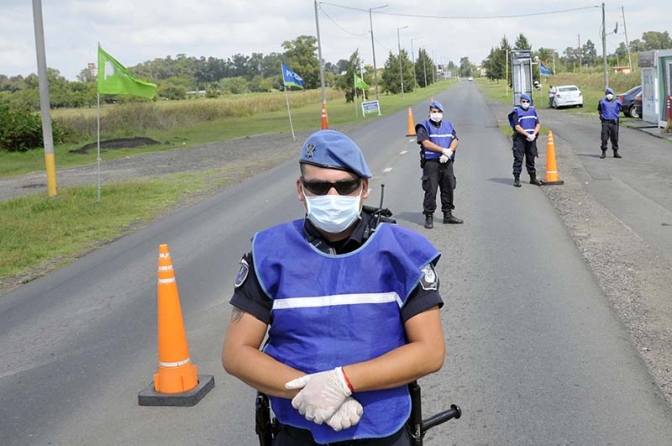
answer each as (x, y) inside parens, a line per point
(334, 150)
(526, 97)
(436, 104)
(609, 90)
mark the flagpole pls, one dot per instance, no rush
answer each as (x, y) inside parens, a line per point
(287, 100)
(98, 140)
(354, 98)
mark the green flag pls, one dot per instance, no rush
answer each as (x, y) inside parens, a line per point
(114, 78)
(359, 83)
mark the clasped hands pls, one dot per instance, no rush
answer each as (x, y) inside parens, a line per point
(447, 155)
(531, 137)
(326, 397)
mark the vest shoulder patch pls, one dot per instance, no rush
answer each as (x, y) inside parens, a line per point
(243, 271)
(429, 281)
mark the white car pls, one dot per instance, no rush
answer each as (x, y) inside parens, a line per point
(567, 96)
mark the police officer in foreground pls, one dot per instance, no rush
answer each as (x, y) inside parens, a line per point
(353, 309)
(525, 123)
(438, 144)
(610, 112)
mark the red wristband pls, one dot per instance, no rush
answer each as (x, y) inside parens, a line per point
(347, 381)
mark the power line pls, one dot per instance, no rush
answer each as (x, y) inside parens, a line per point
(511, 16)
(340, 27)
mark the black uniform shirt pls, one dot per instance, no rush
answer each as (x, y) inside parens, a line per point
(249, 297)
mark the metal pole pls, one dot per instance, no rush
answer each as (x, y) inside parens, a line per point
(627, 44)
(415, 76)
(45, 103)
(319, 55)
(580, 54)
(424, 68)
(433, 66)
(401, 72)
(373, 47)
(604, 50)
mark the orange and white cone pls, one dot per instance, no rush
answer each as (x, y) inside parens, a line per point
(411, 123)
(552, 177)
(325, 119)
(177, 382)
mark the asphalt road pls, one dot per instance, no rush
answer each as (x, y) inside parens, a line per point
(536, 356)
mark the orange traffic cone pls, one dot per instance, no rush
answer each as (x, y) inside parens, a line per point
(411, 123)
(177, 382)
(325, 119)
(552, 177)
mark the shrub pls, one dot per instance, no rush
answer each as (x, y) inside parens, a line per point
(21, 130)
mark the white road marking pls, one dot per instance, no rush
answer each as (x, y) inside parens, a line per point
(388, 169)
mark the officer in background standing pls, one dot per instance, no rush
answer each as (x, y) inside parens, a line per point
(610, 111)
(344, 340)
(525, 123)
(438, 143)
(551, 96)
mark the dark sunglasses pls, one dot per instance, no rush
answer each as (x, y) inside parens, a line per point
(343, 187)
(524, 102)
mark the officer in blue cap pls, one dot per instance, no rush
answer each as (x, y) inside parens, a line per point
(438, 142)
(353, 314)
(610, 112)
(525, 124)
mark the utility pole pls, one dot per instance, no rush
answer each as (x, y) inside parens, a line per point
(45, 103)
(319, 56)
(580, 54)
(627, 44)
(424, 68)
(604, 50)
(401, 71)
(373, 47)
(434, 66)
(415, 76)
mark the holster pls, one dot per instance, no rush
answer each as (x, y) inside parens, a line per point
(264, 426)
(423, 160)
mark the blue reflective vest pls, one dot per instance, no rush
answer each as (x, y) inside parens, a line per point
(335, 310)
(609, 110)
(441, 136)
(527, 119)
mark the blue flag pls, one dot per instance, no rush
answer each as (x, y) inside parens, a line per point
(290, 78)
(544, 71)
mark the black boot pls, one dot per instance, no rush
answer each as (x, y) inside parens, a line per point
(534, 180)
(616, 155)
(516, 180)
(604, 154)
(449, 218)
(429, 221)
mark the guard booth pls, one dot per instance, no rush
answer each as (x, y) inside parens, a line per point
(521, 74)
(656, 68)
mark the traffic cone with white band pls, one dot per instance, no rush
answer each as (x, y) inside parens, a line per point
(177, 382)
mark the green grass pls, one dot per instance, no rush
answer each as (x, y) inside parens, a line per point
(43, 233)
(304, 117)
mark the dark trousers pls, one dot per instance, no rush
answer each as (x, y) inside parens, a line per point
(291, 436)
(522, 148)
(609, 132)
(437, 175)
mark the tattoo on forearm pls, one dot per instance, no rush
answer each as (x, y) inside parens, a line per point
(236, 315)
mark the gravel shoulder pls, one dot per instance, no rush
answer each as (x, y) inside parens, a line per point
(635, 279)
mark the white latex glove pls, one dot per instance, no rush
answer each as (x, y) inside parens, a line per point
(443, 159)
(448, 152)
(347, 415)
(531, 137)
(321, 395)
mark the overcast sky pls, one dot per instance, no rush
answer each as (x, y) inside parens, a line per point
(134, 31)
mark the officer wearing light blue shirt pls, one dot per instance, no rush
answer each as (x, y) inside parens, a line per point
(609, 109)
(353, 309)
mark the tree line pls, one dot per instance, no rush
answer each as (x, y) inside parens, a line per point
(572, 58)
(182, 76)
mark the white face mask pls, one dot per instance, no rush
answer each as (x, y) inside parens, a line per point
(332, 213)
(524, 105)
(610, 97)
(436, 117)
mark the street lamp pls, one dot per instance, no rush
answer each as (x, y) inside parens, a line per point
(401, 72)
(415, 78)
(373, 46)
(424, 68)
